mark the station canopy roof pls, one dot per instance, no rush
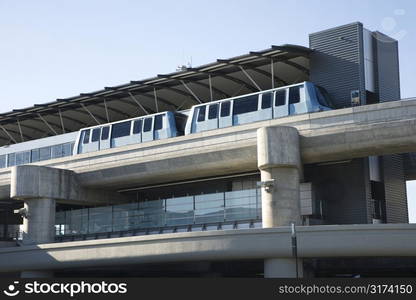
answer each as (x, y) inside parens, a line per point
(260, 70)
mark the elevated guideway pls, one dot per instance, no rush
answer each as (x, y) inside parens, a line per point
(368, 240)
(377, 129)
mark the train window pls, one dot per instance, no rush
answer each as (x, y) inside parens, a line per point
(147, 125)
(95, 134)
(266, 100)
(137, 126)
(213, 111)
(45, 153)
(245, 105)
(19, 158)
(225, 108)
(67, 149)
(280, 98)
(158, 122)
(105, 132)
(57, 150)
(201, 113)
(86, 136)
(2, 161)
(35, 155)
(11, 159)
(120, 129)
(294, 94)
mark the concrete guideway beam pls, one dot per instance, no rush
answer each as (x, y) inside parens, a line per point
(267, 243)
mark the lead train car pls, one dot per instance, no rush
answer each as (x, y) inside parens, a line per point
(275, 103)
(126, 132)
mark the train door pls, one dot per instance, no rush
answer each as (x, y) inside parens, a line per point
(94, 144)
(198, 121)
(280, 107)
(266, 110)
(104, 140)
(160, 127)
(225, 119)
(120, 134)
(297, 100)
(147, 134)
(84, 140)
(137, 130)
(212, 120)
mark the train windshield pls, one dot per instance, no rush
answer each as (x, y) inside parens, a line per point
(323, 97)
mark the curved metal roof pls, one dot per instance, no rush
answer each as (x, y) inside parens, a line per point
(224, 78)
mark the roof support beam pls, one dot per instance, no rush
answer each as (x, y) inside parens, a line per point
(138, 103)
(196, 82)
(228, 77)
(8, 134)
(250, 78)
(62, 121)
(20, 130)
(106, 111)
(47, 124)
(160, 87)
(90, 113)
(190, 91)
(272, 71)
(155, 94)
(210, 87)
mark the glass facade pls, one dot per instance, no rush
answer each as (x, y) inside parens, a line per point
(178, 211)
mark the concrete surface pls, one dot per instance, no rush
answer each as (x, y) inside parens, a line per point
(313, 241)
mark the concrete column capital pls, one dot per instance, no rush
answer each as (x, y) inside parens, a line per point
(278, 147)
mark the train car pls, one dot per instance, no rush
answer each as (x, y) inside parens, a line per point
(137, 130)
(274, 103)
(37, 150)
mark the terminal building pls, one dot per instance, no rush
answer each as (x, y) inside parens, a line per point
(286, 162)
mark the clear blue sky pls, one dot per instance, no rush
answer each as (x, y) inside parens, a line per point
(57, 49)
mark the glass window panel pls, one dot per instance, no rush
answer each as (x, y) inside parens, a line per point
(100, 219)
(280, 98)
(35, 155)
(2, 161)
(213, 111)
(294, 94)
(225, 108)
(158, 122)
(137, 126)
(241, 205)
(105, 132)
(120, 129)
(245, 104)
(180, 211)
(19, 158)
(11, 159)
(95, 134)
(67, 149)
(57, 151)
(86, 136)
(147, 124)
(45, 153)
(201, 113)
(266, 100)
(209, 208)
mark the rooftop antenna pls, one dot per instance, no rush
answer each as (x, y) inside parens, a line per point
(185, 66)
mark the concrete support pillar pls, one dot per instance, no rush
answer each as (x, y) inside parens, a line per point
(39, 221)
(280, 167)
(282, 268)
